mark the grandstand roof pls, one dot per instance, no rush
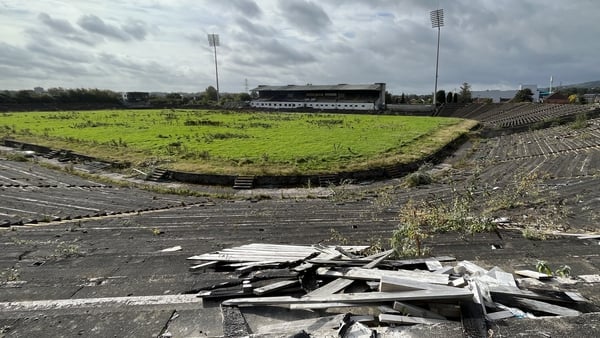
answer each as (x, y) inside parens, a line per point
(375, 86)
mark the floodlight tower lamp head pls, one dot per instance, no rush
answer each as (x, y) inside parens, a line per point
(437, 18)
(213, 40)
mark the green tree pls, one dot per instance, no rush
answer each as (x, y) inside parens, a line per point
(244, 97)
(211, 93)
(440, 97)
(449, 97)
(573, 98)
(402, 99)
(523, 95)
(388, 97)
(465, 93)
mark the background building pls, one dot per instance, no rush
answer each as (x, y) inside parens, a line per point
(321, 97)
(504, 95)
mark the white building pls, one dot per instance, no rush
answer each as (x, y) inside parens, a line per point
(504, 95)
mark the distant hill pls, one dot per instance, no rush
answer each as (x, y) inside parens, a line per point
(587, 85)
(591, 84)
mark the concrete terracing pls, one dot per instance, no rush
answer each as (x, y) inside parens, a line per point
(98, 269)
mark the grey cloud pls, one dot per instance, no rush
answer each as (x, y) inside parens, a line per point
(273, 53)
(94, 24)
(280, 54)
(133, 29)
(136, 29)
(144, 73)
(247, 7)
(46, 49)
(34, 64)
(253, 28)
(307, 16)
(62, 26)
(61, 29)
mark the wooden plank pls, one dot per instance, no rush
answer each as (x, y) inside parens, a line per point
(257, 252)
(393, 283)
(478, 298)
(433, 265)
(244, 264)
(345, 253)
(339, 262)
(275, 286)
(356, 330)
(375, 274)
(341, 283)
(256, 265)
(445, 270)
(395, 319)
(459, 282)
(504, 278)
(537, 305)
(378, 260)
(409, 309)
(510, 291)
(415, 261)
(361, 297)
(330, 288)
(309, 325)
(471, 268)
(202, 266)
(329, 252)
(493, 316)
(319, 306)
(590, 278)
(533, 274)
(576, 296)
(589, 237)
(248, 258)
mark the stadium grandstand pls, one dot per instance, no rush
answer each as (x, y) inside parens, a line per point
(369, 97)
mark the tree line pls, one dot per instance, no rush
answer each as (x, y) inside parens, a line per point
(103, 96)
(60, 95)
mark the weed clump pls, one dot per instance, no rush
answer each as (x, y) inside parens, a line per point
(418, 178)
(581, 121)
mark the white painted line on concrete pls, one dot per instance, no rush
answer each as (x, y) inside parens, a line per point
(57, 304)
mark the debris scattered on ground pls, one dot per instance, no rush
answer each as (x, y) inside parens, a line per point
(353, 295)
(172, 249)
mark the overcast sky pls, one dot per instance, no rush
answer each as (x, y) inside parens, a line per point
(161, 45)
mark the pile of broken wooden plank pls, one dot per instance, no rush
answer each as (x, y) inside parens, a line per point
(353, 295)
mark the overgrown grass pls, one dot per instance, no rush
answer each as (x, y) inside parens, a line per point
(237, 142)
(468, 210)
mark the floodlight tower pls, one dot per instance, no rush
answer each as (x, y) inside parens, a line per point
(213, 41)
(437, 21)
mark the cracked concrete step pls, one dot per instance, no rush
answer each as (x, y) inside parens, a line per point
(158, 174)
(243, 182)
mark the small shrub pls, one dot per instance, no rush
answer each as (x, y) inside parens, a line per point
(9, 275)
(336, 237)
(532, 233)
(542, 267)
(418, 178)
(581, 121)
(563, 271)
(67, 250)
(16, 157)
(414, 229)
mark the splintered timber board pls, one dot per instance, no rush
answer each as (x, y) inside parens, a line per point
(395, 319)
(376, 274)
(268, 252)
(361, 297)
